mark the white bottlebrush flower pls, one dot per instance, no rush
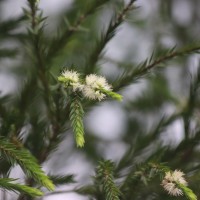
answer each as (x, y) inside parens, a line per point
(97, 82)
(171, 188)
(95, 86)
(71, 78)
(171, 180)
(92, 94)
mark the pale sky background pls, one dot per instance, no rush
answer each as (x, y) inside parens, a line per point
(109, 130)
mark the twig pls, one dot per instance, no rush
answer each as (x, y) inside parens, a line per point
(170, 56)
(146, 67)
(109, 34)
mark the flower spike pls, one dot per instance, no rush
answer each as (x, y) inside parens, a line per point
(70, 78)
(171, 182)
(97, 88)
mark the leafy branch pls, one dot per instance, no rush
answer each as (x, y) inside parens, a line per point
(26, 161)
(115, 24)
(42, 73)
(106, 37)
(76, 118)
(104, 177)
(169, 56)
(145, 67)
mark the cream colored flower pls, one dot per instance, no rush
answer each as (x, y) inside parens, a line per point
(71, 78)
(94, 87)
(171, 180)
(92, 94)
(97, 82)
(171, 188)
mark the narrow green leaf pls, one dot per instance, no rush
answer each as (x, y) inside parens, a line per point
(62, 179)
(9, 184)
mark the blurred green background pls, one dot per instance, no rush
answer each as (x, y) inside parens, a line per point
(159, 116)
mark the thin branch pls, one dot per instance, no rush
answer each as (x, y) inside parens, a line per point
(43, 76)
(108, 36)
(169, 57)
(143, 69)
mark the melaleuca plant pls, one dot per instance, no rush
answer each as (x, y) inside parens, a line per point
(93, 88)
(38, 116)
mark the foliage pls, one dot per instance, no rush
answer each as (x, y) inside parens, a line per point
(63, 72)
(105, 179)
(26, 161)
(76, 116)
(9, 185)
